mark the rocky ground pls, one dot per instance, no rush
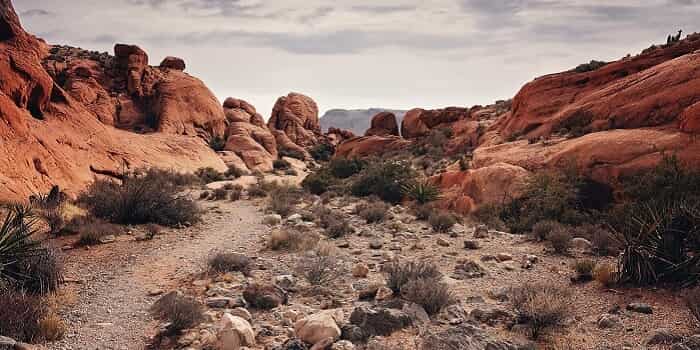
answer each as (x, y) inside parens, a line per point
(112, 287)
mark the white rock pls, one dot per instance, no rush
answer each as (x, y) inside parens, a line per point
(314, 328)
(235, 332)
(272, 219)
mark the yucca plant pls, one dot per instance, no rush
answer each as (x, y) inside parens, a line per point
(16, 243)
(421, 191)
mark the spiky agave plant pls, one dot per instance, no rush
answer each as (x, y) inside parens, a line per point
(421, 191)
(16, 243)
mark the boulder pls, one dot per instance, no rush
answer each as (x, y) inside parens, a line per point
(379, 321)
(234, 332)
(264, 296)
(383, 124)
(320, 326)
(297, 116)
(365, 146)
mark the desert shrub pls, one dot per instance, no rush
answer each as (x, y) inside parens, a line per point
(383, 179)
(236, 193)
(606, 274)
(584, 269)
(325, 216)
(441, 221)
(257, 190)
(692, 301)
(291, 153)
(318, 182)
(209, 174)
(590, 66)
(322, 152)
(219, 194)
(542, 229)
(24, 263)
(140, 198)
(320, 266)
(50, 207)
(217, 143)
(603, 241)
(421, 191)
(180, 311)
(438, 137)
(152, 230)
(281, 164)
(221, 262)
(399, 274)
(424, 211)
(546, 196)
(432, 294)
(93, 230)
(560, 238)
(204, 195)
(540, 307)
(233, 172)
(51, 327)
(343, 168)
(338, 227)
(21, 316)
(283, 200)
(292, 239)
(373, 212)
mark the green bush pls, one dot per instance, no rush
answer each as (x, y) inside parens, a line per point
(343, 168)
(319, 182)
(140, 198)
(217, 143)
(281, 164)
(322, 152)
(421, 192)
(383, 179)
(590, 66)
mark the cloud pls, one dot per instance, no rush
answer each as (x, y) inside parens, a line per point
(316, 14)
(383, 9)
(36, 13)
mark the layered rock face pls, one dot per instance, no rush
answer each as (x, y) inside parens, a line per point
(64, 112)
(297, 116)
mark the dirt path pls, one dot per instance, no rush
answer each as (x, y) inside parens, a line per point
(111, 296)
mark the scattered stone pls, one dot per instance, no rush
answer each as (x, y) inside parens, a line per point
(581, 244)
(454, 314)
(416, 312)
(343, 345)
(323, 344)
(609, 321)
(219, 302)
(242, 313)
(295, 219)
(235, 332)
(490, 315)
(272, 219)
(379, 321)
(501, 294)
(529, 261)
(468, 268)
(107, 239)
(442, 242)
(155, 292)
(352, 333)
(293, 344)
(376, 244)
(360, 270)
(471, 244)
(264, 296)
(286, 282)
(488, 257)
(662, 336)
(317, 327)
(481, 231)
(641, 308)
(503, 257)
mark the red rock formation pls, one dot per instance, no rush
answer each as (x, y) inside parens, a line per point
(171, 62)
(55, 136)
(251, 141)
(383, 124)
(365, 146)
(336, 136)
(655, 88)
(418, 122)
(297, 116)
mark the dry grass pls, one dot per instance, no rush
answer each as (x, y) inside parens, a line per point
(52, 327)
(399, 273)
(606, 274)
(442, 221)
(221, 262)
(292, 239)
(321, 267)
(432, 294)
(560, 238)
(373, 212)
(180, 311)
(542, 229)
(540, 307)
(21, 315)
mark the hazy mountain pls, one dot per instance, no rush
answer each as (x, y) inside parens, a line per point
(355, 120)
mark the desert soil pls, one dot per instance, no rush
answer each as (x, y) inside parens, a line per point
(110, 287)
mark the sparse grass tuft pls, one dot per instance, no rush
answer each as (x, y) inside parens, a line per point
(442, 221)
(222, 262)
(399, 274)
(180, 311)
(560, 238)
(540, 307)
(373, 212)
(320, 266)
(432, 294)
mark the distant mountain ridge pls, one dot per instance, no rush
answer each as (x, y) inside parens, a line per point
(355, 120)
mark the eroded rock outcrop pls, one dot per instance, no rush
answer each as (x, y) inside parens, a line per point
(365, 146)
(418, 122)
(248, 137)
(58, 111)
(383, 124)
(297, 116)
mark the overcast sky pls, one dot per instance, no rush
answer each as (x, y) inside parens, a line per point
(360, 54)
